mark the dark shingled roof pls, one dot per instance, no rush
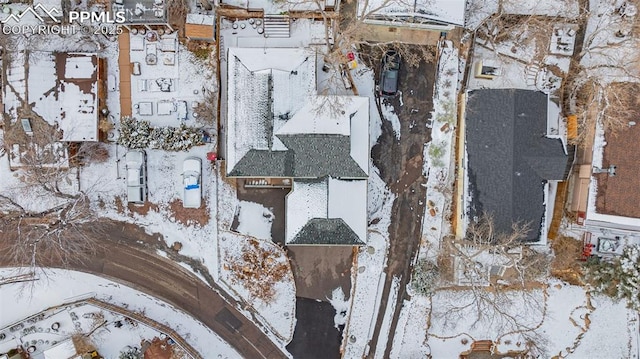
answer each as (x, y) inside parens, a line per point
(264, 163)
(326, 231)
(309, 155)
(510, 159)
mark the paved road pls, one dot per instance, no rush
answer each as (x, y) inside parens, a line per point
(127, 258)
(400, 164)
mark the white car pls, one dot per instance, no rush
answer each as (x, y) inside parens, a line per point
(192, 182)
(136, 164)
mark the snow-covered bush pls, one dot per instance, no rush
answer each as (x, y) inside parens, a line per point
(134, 133)
(448, 113)
(130, 353)
(175, 138)
(425, 277)
(258, 268)
(436, 152)
(620, 278)
(138, 134)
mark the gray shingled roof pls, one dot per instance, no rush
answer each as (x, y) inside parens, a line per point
(326, 231)
(318, 155)
(510, 159)
(309, 155)
(264, 163)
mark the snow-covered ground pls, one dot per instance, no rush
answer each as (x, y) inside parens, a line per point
(438, 153)
(105, 183)
(60, 286)
(610, 43)
(389, 115)
(410, 339)
(368, 279)
(254, 220)
(109, 338)
(188, 81)
(389, 312)
(278, 312)
(563, 319)
(555, 8)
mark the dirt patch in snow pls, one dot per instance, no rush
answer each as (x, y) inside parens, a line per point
(188, 216)
(565, 265)
(142, 209)
(119, 205)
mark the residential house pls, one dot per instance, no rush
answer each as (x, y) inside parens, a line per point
(274, 19)
(279, 130)
(434, 15)
(606, 190)
(512, 159)
(48, 93)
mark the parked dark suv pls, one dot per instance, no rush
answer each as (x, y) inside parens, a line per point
(389, 74)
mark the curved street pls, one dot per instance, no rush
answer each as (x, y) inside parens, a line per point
(127, 256)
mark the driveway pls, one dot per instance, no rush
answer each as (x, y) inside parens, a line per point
(400, 165)
(319, 270)
(315, 336)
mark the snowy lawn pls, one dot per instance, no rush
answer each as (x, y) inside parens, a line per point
(63, 286)
(560, 319)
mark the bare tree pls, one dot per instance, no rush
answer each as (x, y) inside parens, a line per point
(513, 313)
(513, 301)
(608, 57)
(483, 237)
(345, 33)
(55, 237)
(63, 227)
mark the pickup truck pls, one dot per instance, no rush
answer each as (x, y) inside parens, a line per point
(192, 182)
(136, 164)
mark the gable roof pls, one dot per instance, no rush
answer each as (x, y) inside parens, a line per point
(436, 12)
(264, 87)
(510, 157)
(277, 126)
(326, 231)
(327, 211)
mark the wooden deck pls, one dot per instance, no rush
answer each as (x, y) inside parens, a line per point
(124, 64)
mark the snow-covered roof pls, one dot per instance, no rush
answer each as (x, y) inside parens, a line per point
(200, 19)
(64, 350)
(556, 8)
(348, 201)
(62, 87)
(264, 86)
(433, 12)
(335, 115)
(307, 200)
(327, 211)
(276, 7)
